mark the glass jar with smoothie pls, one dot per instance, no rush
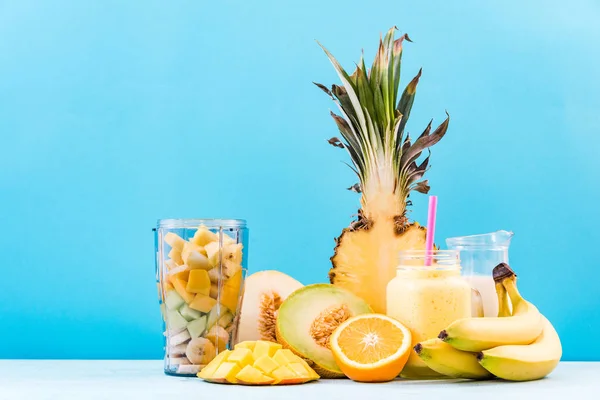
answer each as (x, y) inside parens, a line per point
(427, 294)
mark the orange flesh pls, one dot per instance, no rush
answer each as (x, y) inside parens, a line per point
(369, 340)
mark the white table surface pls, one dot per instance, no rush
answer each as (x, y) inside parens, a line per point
(76, 379)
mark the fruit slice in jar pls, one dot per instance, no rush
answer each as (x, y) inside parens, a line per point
(173, 300)
(180, 285)
(202, 303)
(230, 293)
(188, 313)
(371, 347)
(197, 327)
(219, 337)
(175, 241)
(200, 351)
(203, 236)
(198, 282)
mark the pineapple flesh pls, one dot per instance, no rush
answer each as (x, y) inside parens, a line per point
(372, 124)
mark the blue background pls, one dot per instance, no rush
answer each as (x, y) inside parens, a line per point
(114, 114)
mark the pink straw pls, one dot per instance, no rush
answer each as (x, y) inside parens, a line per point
(430, 229)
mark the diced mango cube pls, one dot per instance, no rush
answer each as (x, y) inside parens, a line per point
(265, 348)
(299, 370)
(284, 356)
(180, 285)
(212, 366)
(226, 372)
(283, 375)
(241, 356)
(202, 303)
(246, 345)
(198, 282)
(265, 364)
(252, 376)
(230, 293)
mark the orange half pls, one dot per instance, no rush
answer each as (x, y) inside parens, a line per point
(371, 347)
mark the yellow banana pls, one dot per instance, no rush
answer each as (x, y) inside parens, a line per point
(525, 362)
(477, 334)
(446, 360)
(503, 303)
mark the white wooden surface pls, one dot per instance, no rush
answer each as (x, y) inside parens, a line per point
(76, 379)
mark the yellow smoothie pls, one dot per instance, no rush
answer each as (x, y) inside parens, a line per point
(426, 299)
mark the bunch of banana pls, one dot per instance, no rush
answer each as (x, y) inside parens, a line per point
(519, 345)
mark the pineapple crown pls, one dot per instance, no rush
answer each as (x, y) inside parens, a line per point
(373, 121)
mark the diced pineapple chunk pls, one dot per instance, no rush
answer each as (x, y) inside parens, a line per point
(175, 241)
(203, 236)
(175, 255)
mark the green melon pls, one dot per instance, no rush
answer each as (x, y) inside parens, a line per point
(309, 316)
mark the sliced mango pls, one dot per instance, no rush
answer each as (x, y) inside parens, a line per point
(252, 376)
(180, 285)
(198, 282)
(246, 345)
(265, 348)
(214, 364)
(230, 293)
(266, 364)
(226, 372)
(241, 356)
(263, 370)
(202, 303)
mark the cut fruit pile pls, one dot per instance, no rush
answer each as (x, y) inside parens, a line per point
(258, 363)
(202, 284)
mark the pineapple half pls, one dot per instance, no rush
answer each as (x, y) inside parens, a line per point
(372, 124)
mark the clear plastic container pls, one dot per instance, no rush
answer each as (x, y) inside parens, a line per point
(201, 265)
(426, 299)
(479, 255)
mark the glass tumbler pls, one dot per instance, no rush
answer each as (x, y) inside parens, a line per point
(426, 298)
(479, 255)
(201, 265)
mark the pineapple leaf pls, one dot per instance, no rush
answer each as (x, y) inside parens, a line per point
(424, 141)
(323, 88)
(421, 187)
(355, 188)
(405, 105)
(336, 142)
(350, 88)
(397, 61)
